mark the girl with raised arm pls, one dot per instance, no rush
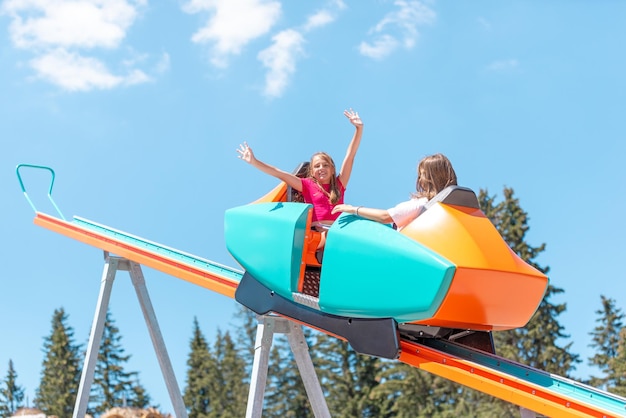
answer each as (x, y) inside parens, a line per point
(323, 187)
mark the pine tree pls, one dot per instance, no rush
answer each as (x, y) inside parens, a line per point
(139, 397)
(285, 393)
(232, 390)
(219, 387)
(348, 378)
(201, 376)
(405, 391)
(60, 376)
(535, 344)
(606, 339)
(112, 386)
(11, 395)
(246, 335)
(617, 367)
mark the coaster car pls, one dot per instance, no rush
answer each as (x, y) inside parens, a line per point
(448, 274)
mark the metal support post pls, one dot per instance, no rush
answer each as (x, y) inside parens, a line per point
(97, 327)
(267, 327)
(300, 350)
(136, 276)
(111, 266)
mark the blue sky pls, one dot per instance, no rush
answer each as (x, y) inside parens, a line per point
(139, 107)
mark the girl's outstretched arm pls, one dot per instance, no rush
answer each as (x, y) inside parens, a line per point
(348, 161)
(378, 215)
(246, 154)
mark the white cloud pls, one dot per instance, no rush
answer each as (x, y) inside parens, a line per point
(403, 24)
(280, 59)
(136, 77)
(74, 72)
(164, 64)
(59, 32)
(323, 17)
(503, 65)
(78, 23)
(319, 19)
(380, 48)
(233, 24)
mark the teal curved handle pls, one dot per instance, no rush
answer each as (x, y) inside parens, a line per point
(19, 177)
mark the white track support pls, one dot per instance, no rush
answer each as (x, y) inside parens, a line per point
(267, 327)
(91, 357)
(111, 266)
(157, 340)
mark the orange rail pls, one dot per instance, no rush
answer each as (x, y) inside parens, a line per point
(211, 279)
(544, 396)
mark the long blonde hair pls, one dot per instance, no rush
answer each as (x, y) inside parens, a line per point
(334, 193)
(434, 173)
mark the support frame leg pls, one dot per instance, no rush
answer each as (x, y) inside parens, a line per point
(111, 265)
(167, 370)
(267, 326)
(312, 385)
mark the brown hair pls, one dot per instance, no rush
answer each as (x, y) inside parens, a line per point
(434, 173)
(334, 193)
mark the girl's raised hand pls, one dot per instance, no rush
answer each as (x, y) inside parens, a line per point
(245, 153)
(353, 117)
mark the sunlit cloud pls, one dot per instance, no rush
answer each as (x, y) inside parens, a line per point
(287, 48)
(163, 65)
(324, 17)
(87, 24)
(319, 19)
(382, 46)
(74, 72)
(232, 24)
(398, 28)
(280, 59)
(63, 34)
(503, 65)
